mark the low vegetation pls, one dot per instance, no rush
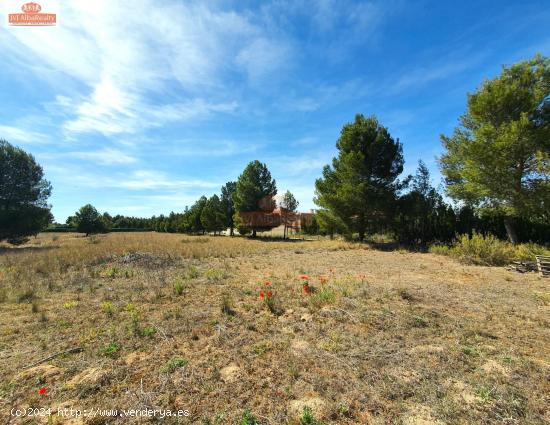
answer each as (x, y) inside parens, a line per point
(342, 334)
(487, 250)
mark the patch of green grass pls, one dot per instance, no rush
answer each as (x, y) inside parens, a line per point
(110, 350)
(108, 308)
(192, 272)
(307, 417)
(470, 351)
(179, 287)
(148, 331)
(248, 418)
(69, 305)
(215, 275)
(173, 364)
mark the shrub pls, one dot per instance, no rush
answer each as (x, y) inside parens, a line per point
(174, 363)
(108, 308)
(487, 250)
(308, 418)
(110, 350)
(179, 286)
(248, 419)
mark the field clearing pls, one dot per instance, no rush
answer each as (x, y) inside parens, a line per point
(167, 321)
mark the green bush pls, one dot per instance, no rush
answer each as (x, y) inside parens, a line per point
(488, 250)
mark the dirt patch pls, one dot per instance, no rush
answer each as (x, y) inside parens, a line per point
(316, 404)
(230, 373)
(494, 368)
(45, 372)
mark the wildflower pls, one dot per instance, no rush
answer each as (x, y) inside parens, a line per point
(307, 289)
(267, 283)
(262, 295)
(42, 391)
(304, 277)
(269, 294)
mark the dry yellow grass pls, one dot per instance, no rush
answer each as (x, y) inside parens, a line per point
(173, 322)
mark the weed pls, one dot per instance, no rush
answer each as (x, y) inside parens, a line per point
(215, 275)
(110, 350)
(173, 364)
(405, 294)
(420, 322)
(69, 305)
(227, 305)
(149, 331)
(248, 418)
(179, 287)
(307, 417)
(470, 351)
(192, 272)
(485, 393)
(108, 308)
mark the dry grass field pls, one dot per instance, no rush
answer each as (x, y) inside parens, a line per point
(166, 321)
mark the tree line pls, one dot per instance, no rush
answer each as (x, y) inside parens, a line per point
(496, 169)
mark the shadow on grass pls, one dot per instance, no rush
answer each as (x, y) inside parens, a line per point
(25, 249)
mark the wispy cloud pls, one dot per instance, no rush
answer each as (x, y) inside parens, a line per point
(18, 134)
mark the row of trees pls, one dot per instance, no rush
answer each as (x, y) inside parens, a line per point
(254, 190)
(496, 166)
(496, 163)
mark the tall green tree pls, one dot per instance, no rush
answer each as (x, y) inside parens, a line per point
(193, 218)
(255, 190)
(24, 193)
(212, 215)
(360, 187)
(289, 206)
(421, 215)
(228, 205)
(498, 159)
(88, 220)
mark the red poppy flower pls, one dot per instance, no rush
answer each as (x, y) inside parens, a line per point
(267, 283)
(262, 294)
(269, 294)
(42, 391)
(304, 277)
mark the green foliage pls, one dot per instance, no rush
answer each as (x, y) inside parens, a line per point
(174, 364)
(179, 287)
(308, 418)
(254, 191)
(421, 215)
(487, 250)
(289, 205)
(330, 224)
(253, 186)
(498, 159)
(360, 187)
(23, 195)
(212, 215)
(248, 418)
(88, 220)
(228, 205)
(110, 350)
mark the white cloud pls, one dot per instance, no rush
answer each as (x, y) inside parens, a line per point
(16, 134)
(263, 57)
(128, 59)
(107, 156)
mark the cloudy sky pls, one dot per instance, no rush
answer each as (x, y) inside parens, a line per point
(139, 107)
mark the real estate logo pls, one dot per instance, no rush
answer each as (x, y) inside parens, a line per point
(32, 16)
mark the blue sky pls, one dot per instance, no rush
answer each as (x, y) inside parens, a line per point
(139, 107)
